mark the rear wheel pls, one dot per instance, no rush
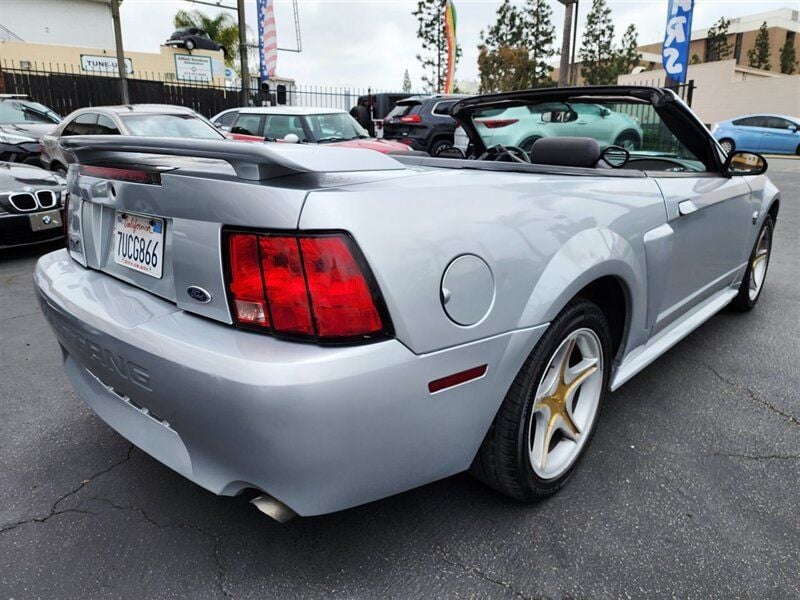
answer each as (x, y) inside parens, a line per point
(628, 140)
(756, 273)
(437, 146)
(728, 145)
(548, 416)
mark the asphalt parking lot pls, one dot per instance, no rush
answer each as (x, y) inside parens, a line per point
(691, 487)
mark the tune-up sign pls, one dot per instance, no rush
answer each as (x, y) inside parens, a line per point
(675, 50)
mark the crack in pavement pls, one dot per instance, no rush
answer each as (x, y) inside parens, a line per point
(54, 510)
(756, 456)
(480, 574)
(222, 577)
(791, 418)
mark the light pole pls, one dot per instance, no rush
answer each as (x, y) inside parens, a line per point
(563, 72)
(243, 54)
(123, 75)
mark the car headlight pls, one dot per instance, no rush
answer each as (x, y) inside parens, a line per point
(12, 138)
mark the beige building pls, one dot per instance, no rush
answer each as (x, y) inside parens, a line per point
(725, 89)
(782, 25)
(169, 64)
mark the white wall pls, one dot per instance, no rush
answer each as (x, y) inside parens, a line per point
(68, 22)
(724, 90)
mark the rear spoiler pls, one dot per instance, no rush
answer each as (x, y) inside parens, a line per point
(251, 161)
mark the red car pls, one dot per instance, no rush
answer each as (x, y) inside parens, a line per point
(301, 124)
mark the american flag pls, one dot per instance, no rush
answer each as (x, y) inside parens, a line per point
(267, 39)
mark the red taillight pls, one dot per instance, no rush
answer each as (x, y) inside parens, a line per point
(246, 285)
(309, 286)
(411, 119)
(129, 175)
(495, 123)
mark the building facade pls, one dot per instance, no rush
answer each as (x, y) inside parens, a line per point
(59, 22)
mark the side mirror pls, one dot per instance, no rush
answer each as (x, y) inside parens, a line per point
(745, 163)
(792, 128)
(291, 138)
(604, 112)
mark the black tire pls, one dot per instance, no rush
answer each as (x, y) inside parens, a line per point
(502, 461)
(58, 169)
(743, 302)
(438, 145)
(724, 141)
(628, 136)
(797, 150)
(189, 45)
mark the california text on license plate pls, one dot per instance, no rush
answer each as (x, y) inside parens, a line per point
(139, 243)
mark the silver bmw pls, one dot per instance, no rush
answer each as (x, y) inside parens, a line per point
(329, 326)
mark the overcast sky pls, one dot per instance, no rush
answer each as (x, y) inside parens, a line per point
(369, 43)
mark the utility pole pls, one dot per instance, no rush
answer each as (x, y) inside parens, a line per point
(573, 72)
(563, 71)
(243, 54)
(123, 75)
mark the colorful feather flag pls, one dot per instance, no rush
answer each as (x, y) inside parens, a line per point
(450, 36)
(267, 39)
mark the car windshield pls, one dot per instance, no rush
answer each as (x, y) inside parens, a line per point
(23, 112)
(335, 127)
(180, 126)
(634, 126)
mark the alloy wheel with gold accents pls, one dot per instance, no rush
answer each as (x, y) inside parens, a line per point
(759, 263)
(566, 404)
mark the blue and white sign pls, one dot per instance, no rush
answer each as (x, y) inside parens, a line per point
(675, 51)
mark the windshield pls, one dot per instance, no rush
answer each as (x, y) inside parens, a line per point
(23, 112)
(636, 127)
(185, 126)
(335, 127)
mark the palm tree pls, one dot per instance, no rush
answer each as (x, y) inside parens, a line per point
(222, 29)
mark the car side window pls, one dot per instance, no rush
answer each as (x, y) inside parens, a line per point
(751, 122)
(248, 124)
(278, 127)
(778, 123)
(226, 120)
(83, 124)
(443, 108)
(106, 126)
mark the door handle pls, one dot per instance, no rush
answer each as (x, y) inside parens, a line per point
(687, 207)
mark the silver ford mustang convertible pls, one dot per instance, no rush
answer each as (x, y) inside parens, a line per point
(329, 326)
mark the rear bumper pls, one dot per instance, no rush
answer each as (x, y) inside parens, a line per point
(321, 429)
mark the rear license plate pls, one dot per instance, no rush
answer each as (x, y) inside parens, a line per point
(45, 220)
(139, 243)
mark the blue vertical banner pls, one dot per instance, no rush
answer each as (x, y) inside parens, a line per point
(267, 39)
(678, 34)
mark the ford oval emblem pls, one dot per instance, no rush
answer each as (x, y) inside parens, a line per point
(199, 294)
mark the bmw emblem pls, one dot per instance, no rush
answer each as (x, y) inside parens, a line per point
(199, 294)
(47, 220)
(27, 188)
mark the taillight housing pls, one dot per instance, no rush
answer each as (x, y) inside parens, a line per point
(495, 123)
(411, 119)
(307, 286)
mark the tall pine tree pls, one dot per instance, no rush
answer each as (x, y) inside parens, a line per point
(508, 30)
(628, 56)
(788, 57)
(406, 82)
(598, 60)
(431, 34)
(758, 55)
(540, 33)
(717, 46)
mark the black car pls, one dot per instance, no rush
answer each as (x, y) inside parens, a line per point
(422, 122)
(31, 205)
(22, 124)
(191, 38)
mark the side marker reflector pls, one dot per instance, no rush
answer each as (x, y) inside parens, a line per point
(437, 385)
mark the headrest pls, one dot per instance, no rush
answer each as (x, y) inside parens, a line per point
(566, 151)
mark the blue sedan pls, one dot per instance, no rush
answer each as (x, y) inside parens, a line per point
(776, 134)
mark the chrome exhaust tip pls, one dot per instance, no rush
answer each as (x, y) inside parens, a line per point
(273, 508)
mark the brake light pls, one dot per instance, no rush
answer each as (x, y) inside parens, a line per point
(495, 123)
(129, 175)
(411, 119)
(308, 286)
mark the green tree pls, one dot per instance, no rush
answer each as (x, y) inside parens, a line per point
(628, 56)
(788, 57)
(540, 33)
(508, 30)
(695, 60)
(406, 82)
(758, 55)
(598, 58)
(717, 46)
(222, 29)
(504, 69)
(431, 34)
